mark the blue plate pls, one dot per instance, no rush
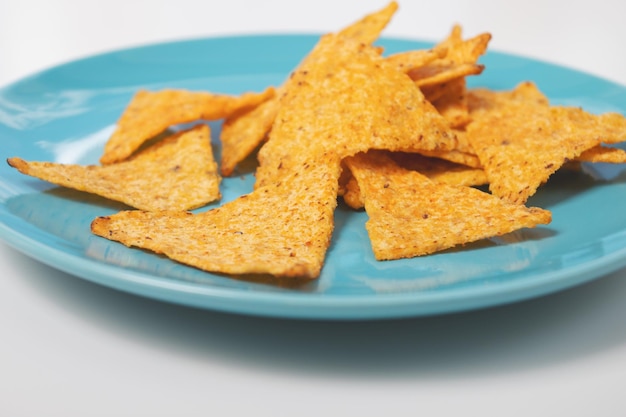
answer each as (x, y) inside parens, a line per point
(65, 114)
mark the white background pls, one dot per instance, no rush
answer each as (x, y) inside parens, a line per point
(71, 348)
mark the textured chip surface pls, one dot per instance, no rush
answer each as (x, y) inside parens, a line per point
(178, 173)
(152, 112)
(411, 215)
(243, 132)
(460, 60)
(358, 102)
(283, 229)
(521, 140)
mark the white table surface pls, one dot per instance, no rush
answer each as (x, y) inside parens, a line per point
(72, 348)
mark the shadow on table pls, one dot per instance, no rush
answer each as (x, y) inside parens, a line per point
(545, 331)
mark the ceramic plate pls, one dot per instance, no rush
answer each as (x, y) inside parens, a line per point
(65, 114)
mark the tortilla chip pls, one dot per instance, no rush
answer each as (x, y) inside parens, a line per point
(441, 71)
(463, 154)
(461, 59)
(483, 100)
(368, 29)
(352, 193)
(440, 170)
(521, 140)
(612, 127)
(436, 169)
(451, 102)
(283, 229)
(150, 113)
(409, 60)
(242, 133)
(603, 154)
(178, 173)
(357, 102)
(410, 215)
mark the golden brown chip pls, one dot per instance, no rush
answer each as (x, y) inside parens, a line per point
(440, 72)
(463, 154)
(451, 102)
(283, 229)
(410, 215)
(612, 127)
(352, 193)
(603, 154)
(436, 169)
(440, 170)
(150, 113)
(242, 133)
(609, 127)
(521, 140)
(409, 60)
(461, 59)
(368, 29)
(358, 102)
(463, 143)
(483, 100)
(444, 74)
(455, 156)
(178, 173)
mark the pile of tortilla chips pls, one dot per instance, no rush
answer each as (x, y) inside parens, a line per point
(401, 136)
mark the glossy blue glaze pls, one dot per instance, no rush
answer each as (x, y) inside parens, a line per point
(65, 114)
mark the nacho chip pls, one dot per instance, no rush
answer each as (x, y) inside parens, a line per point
(603, 154)
(461, 59)
(358, 102)
(521, 140)
(463, 154)
(440, 72)
(410, 215)
(242, 133)
(440, 170)
(451, 102)
(283, 229)
(178, 173)
(612, 127)
(368, 29)
(483, 100)
(352, 193)
(150, 113)
(410, 60)
(436, 169)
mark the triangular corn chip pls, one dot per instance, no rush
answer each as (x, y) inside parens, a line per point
(150, 113)
(461, 59)
(283, 229)
(440, 170)
(177, 173)
(452, 102)
(411, 215)
(603, 154)
(352, 193)
(368, 29)
(358, 102)
(463, 154)
(284, 226)
(409, 60)
(244, 132)
(521, 140)
(436, 169)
